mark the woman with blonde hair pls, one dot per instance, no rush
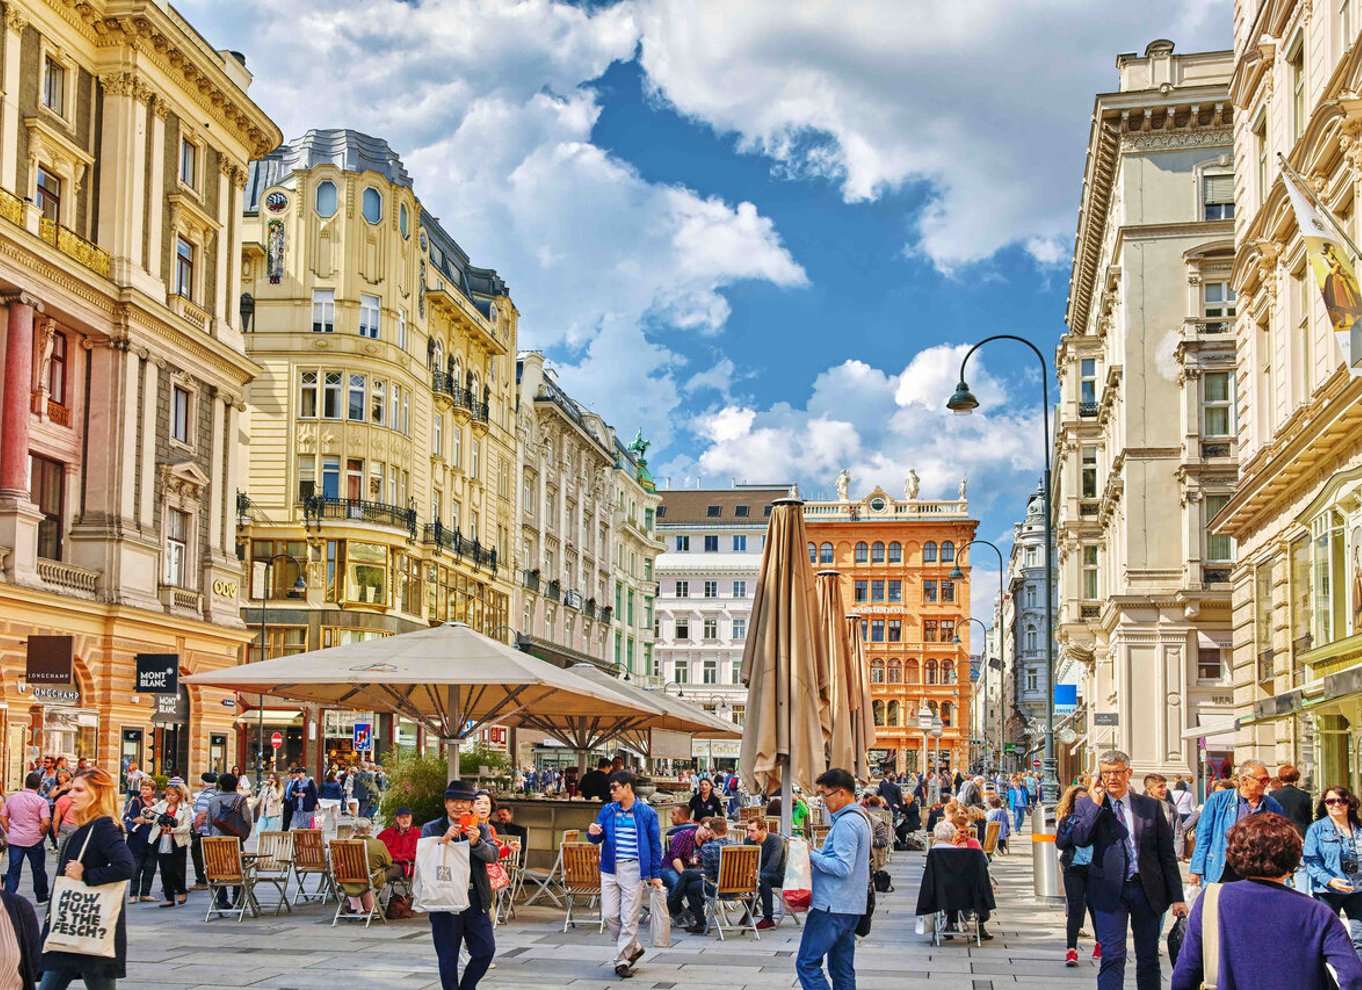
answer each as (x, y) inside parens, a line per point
(1073, 865)
(270, 807)
(94, 854)
(170, 836)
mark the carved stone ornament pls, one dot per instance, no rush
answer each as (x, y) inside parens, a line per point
(14, 19)
(183, 480)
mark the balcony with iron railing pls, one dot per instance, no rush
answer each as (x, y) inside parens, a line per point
(1209, 325)
(554, 589)
(531, 580)
(319, 508)
(438, 535)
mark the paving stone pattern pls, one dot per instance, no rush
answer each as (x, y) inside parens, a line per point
(174, 949)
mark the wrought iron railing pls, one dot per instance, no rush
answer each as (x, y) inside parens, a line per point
(319, 507)
(531, 579)
(554, 589)
(1088, 409)
(439, 535)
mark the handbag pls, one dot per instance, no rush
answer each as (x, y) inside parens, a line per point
(1210, 936)
(83, 919)
(498, 877)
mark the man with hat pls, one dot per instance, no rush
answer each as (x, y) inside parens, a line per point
(201, 828)
(400, 838)
(473, 925)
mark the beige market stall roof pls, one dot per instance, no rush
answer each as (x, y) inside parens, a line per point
(450, 678)
(676, 714)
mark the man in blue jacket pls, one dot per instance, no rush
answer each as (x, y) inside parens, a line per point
(1221, 812)
(841, 880)
(631, 853)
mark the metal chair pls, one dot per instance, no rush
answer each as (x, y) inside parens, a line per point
(549, 883)
(273, 863)
(350, 864)
(505, 898)
(738, 865)
(309, 859)
(225, 872)
(581, 876)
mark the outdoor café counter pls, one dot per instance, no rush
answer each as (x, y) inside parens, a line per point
(546, 820)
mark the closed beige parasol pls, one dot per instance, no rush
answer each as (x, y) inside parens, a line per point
(862, 707)
(832, 633)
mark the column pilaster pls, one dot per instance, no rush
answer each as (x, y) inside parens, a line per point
(9, 111)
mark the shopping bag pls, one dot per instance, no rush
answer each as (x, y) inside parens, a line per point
(659, 918)
(441, 879)
(797, 890)
(498, 877)
(82, 918)
(926, 924)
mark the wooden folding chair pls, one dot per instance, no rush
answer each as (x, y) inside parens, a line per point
(738, 865)
(773, 824)
(225, 872)
(581, 877)
(817, 834)
(746, 815)
(309, 860)
(350, 864)
(273, 863)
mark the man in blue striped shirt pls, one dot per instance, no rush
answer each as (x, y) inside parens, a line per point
(631, 853)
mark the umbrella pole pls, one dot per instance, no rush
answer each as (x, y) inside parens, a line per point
(454, 721)
(452, 748)
(786, 798)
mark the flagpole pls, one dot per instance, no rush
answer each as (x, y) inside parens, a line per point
(1328, 215)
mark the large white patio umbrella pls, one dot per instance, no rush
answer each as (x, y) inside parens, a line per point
(449, 678)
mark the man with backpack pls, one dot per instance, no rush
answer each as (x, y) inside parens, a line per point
(229, 813)
(841, 881)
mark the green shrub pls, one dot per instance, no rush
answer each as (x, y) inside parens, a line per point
(417, 782)
(161, 781)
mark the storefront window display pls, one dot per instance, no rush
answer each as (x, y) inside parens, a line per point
(338, 736)
(70, 732)
(287, 722)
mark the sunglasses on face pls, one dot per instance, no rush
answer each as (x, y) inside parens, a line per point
(1335, 800)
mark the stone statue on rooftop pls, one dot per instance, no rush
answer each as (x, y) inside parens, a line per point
(911, 485)
(843, 485)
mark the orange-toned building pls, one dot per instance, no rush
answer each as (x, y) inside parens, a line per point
(895, 558)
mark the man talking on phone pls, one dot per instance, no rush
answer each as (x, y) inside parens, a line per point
(473, 925)
(1134, 874)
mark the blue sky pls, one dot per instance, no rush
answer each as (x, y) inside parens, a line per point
(762, 231)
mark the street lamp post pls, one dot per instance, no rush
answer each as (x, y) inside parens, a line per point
(963, 402)
(298, 590)
(924, 722)
(983, 680)
(937, 731)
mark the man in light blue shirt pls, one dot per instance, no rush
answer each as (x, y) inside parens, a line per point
(841, 877)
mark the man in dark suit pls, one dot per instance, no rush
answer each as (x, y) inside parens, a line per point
(892, 793)
(1133, 878)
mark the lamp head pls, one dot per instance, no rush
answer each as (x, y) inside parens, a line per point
(956, 573)
(962, 402)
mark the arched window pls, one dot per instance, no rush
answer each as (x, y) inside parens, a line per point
(813, 554)
(910, 672)
(893, 713)
(947, 671)
(929, 552)
(1030, 636)
(895, 672)
(877, 710)
(895, 552)
(945, 713)
(876, 671)
(862, 552)
(373, 205)
(402, 221)
(825, 553)
(930, 668)
(877, 552)
(326, 199)
(947, 552)
(455, 369)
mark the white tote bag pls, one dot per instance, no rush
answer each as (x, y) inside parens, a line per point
(441, 881)
(83, 919)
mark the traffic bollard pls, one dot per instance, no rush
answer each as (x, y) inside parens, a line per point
(1044, 858)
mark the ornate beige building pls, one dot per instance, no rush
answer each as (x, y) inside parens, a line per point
(1144, 439)
(381, 461)
(1297, 511)
(124, 140)
(635, 548)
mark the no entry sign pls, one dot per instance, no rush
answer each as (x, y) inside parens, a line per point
(277, 740)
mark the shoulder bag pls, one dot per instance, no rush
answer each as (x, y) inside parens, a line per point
(1210, 936)
(863, 926)
(83, 919)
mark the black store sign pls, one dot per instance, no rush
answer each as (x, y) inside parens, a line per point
(158, 673)
(171, 709)
(48, 660)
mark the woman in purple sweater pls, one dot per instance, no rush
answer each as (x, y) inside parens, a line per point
(1262, 911)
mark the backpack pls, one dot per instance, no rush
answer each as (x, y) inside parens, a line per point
(884, 884)
(363, 786)
(234, 821)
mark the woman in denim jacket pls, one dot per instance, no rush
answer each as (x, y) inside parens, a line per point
(1333, 857)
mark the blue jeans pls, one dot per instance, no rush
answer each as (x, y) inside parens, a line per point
(1018, 817)
(1133, 912)
(37, 862)
(60, 979)
(831, 935)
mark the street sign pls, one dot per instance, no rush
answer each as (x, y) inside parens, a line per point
(277, 740)
(1010, 748)
(1104, 718)
(228, 702)
(1066, 697)
(1036, 764)
(363, 740)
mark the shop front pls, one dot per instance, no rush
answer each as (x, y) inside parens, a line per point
(338, 737)
(254, 726)
(169, 735)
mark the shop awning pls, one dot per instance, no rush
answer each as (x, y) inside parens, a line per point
(1210, 726)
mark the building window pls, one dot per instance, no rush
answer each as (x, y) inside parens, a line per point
(1090, 573)
(1217, 197)
(1217, 300)
(711, 544)
(307, 476)
(739, 589)
(877, 630)
(307, 394)
(929, 590)
(877, 552)
(179, 414)
(56, 370)
(711, 589)
(402, 328)
(326, 198)
(895, 630)
(1296, 61)
(862, 552)
(1030, 637)
(403, 221)
(947, 552)
(1210, 665)
(1088, 472)
(683, 544)
(896, 590)
(184, 268)
(373, 205)
(710, 628)
(682, 589)
(825, 553)
(929, 633)
(369, 315)
(929, 672)
(1030, 596)
(1032, 680)
(1219, 546)
(331, 395)
(895, 552)
(681, 672)
(54, 86)
(437, 445)
(474, 451)
(860, 590)
(177, 547)
(1260, 146)
(813, 553)
(947, 591)
(378, 401)
(877, 591)
(713, 511)
(740, 544)
(1215, 404)
(331, 479)
(877, 677)
(929, 552)
(709, 671)
(49, 195)
(189, 163)
(739, 629)
(683, 629)
(1087, 386)
(355, 407)
(323, 310)
(47, 483)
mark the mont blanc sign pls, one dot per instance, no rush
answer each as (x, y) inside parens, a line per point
(158, 673)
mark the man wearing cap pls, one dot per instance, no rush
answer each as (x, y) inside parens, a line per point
(401, 842)
(473, 925)
(201, 828)
(631, 855)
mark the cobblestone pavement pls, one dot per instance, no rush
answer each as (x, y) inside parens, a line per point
(176, 950)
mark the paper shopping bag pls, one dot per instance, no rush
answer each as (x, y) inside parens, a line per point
(441, 880)
(797, 890)
(659, 918)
